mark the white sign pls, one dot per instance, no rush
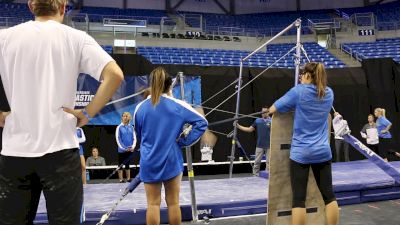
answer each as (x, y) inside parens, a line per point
(125, 43)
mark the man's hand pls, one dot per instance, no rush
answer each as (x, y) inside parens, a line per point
(3, 116)
(82, 120)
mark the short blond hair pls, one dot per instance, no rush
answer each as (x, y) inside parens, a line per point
(46, 7)
(128, 114)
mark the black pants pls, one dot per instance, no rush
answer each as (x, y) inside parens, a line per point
(374, 148)
(384, 147)
(23, 179)
(125, 158)
(299, 179)
(342, 150)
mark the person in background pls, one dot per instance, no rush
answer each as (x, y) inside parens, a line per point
(263, 127)
(40, 62)
(125, 137)
(95, 159)
(383, 126)
(311, 101)
(341, 147)
(370, 133)
(81, 138)
(159, 122)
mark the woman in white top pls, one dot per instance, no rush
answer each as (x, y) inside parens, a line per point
(370, 133)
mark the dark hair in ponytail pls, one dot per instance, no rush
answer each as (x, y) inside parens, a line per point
(318, 76)
(160, 83)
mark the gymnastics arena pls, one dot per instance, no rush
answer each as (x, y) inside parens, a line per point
(231, 60)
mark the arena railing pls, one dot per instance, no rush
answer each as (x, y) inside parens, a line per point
(318, 24)
(211, 163)
(363, 19)
(383, 26)
(238, 31)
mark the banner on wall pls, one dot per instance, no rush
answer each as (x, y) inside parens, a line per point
(128, 96)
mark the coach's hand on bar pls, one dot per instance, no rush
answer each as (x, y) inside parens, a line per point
(82, 120)
(3, 116)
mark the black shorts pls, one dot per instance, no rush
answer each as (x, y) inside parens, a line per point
(23, 179)
(125, 159)
(299, 180)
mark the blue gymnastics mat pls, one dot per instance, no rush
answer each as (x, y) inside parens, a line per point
(354, 182)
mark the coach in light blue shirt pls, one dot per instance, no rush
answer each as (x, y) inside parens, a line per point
(310, 142)
(312, 101)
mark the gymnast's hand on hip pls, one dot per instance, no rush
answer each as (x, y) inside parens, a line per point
(82, 120)
(3, 116)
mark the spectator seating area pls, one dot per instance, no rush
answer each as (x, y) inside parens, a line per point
(108, 48)
(382, 48)
(219, 57)
(96, 14)
(15, 10)
(387, 15)
(263, 23)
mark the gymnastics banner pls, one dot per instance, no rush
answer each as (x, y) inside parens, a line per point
(128, 96)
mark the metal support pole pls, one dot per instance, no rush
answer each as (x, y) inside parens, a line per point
(195, 216)
(298, 51)
(239, 86)
(296, 24)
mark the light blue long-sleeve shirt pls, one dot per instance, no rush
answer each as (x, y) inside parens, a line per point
(158, 128)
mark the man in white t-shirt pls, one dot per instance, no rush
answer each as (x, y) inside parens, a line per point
(39, 64)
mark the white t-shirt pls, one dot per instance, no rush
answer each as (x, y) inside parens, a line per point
(39, 66)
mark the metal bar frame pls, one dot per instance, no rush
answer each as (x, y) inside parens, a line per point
(195, 216)
(296, 24)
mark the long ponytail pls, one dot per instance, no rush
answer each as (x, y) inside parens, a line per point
(382, 111)
(160, 82)
(318, 75)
